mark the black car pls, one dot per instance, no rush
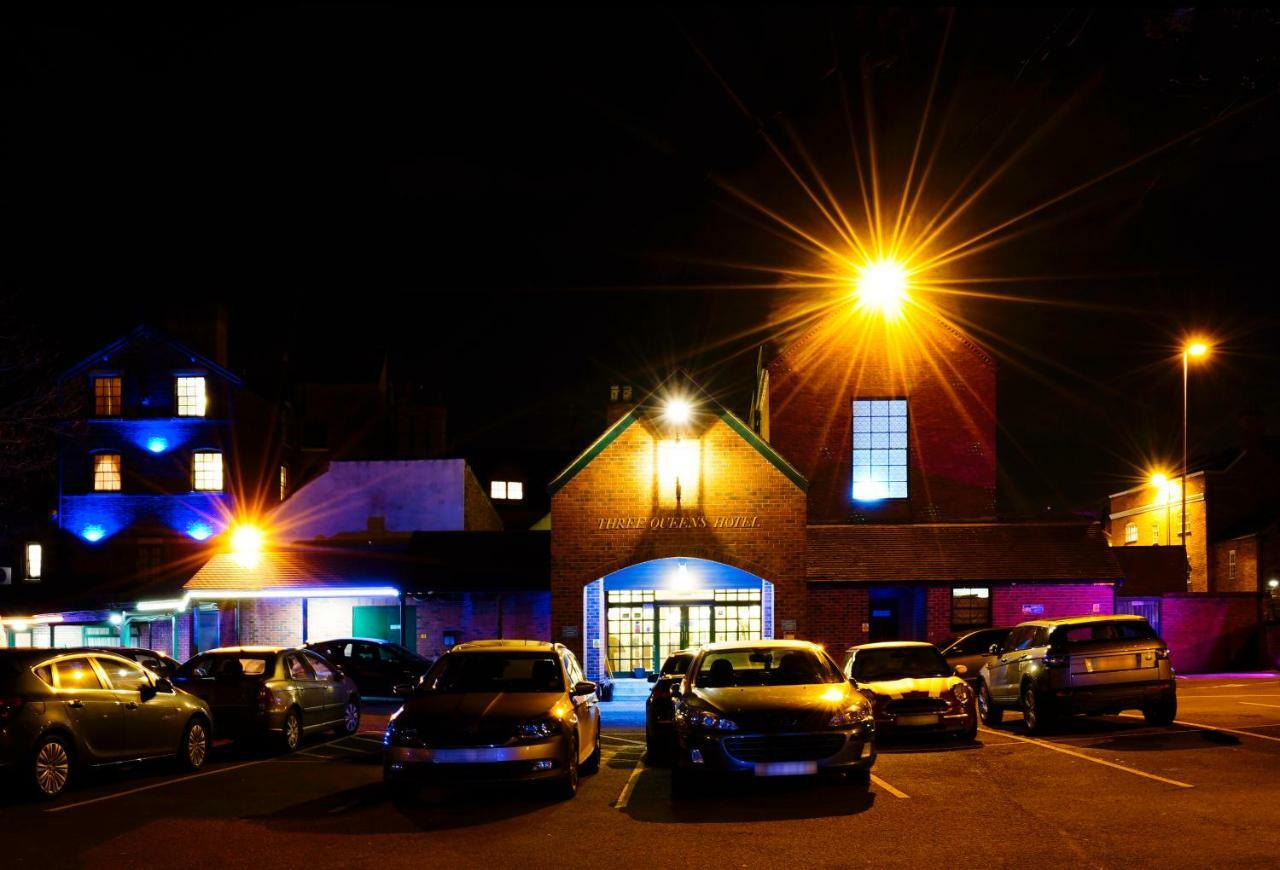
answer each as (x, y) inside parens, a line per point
(156, 662)
(966, 653)
(659, 733)
(64, 710)
(769, 708)
(378, 667)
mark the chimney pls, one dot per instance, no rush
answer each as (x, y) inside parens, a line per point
(620, 402)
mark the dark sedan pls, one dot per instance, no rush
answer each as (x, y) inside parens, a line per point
(378, 667)
(769, 708)
(62, 711)
(258, 692)
(966, 653)
(659, 710)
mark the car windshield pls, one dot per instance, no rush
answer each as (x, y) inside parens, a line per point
(224, 665)
(898, 662)
(495, 672)
(677, 664)
(765, 666)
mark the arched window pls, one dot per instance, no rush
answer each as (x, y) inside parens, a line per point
(1131, 533)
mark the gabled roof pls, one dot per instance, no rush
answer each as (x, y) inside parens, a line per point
(148, 333)
(705, 401)
(966, 340)
(969, 552)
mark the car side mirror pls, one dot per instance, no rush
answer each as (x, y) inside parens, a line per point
(653, 678)
(961, 670)
(993, 650)
(402, 688)
(586, 687)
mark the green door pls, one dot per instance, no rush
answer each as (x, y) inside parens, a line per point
(383, 622)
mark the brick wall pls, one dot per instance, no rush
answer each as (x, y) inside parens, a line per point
(950, 386)
(1061, 599)
(1145, 508)
(1245, 578)
(271, 622)
(838, 612)
(734, 479)
(474, 616)
(1208, 633)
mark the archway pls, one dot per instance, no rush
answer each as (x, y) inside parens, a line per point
(638, 615)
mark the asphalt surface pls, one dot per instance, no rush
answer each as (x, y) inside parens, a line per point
(1107, 792)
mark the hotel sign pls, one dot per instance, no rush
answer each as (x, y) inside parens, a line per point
(736, 521)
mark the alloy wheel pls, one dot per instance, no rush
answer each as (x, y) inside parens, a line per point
(292, 731)
(197, 745)
(351, 717)
(1029, 712)
(53, 768)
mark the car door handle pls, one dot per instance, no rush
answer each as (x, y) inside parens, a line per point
(75, 702)
(132, 705)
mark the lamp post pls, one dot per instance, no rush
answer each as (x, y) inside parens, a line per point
(1195, 349)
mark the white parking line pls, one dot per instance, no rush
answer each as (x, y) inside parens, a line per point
(890, 789)
(624, 796)
(622, 739)
(1056, 748)
(1213, 727)
(1256, 704)
(107, 797)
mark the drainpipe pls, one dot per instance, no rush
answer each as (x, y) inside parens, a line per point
(304, 620)
(404, 613)
(173, 635)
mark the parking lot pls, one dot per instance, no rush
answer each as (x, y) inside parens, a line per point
(1100, 792)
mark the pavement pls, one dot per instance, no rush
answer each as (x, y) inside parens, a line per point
(1105, 792)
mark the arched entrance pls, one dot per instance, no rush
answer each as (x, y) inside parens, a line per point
(640, 614)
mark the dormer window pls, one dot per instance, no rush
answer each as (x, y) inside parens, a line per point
(193, 400)
(506, 490)
(106, 396)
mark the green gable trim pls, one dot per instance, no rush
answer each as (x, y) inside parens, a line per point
(610, 435)
(764, 449)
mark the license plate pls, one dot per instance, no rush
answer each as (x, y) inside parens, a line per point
(1099, 664)
(917, 721)
(787, 768)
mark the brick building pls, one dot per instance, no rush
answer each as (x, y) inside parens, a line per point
(856, 503)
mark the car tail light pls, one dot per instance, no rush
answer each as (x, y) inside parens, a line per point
(1162, 653)
(264, 698)
(9, 707)
(1055, 660)
(662, 689)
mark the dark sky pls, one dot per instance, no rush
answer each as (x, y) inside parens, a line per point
(520, 206)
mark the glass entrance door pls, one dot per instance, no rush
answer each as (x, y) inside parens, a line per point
(681, 626)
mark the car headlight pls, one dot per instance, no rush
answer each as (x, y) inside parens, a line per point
(858, 711)
(962, 693)
(539, 728)
(710, 721)
(399, 734)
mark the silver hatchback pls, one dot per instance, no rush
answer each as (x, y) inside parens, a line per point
(1052, 668)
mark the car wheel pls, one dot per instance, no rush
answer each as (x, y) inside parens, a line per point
(350, 717)
(1161, 713)
(50, 767)
(402, 791)
(592, 764)
(291, 733)
(859, 778)
(567, 787)
(987, 709)
(194, 750)
(1034, 713)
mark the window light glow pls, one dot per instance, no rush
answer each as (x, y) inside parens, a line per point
(879, 449)
(678, 463)
(206, 471)
(35, 561)
(106, 472)
(193, 401)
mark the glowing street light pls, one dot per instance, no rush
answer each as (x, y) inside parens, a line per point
(246, 546)
(882, 287)
(677, 412)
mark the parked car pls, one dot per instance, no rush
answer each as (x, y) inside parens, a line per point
(496, 711)
(968, 652)
(659, 734)
(912, 689)
(156, 662)
(1085, 664)
(260, 692)
(378, 667)
(63, 711)
(769, 708)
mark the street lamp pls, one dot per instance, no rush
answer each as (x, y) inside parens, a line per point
(1197, 349)
(882, 286)
(246, 546)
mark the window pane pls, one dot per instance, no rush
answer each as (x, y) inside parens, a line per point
(124, 675)
(206, 471)
(106, 472)
(323, 671)
(879, 449)
(193, 401)
(497, 489)
(515, 490)
(76, 674)
(106, 396)
(35, 561)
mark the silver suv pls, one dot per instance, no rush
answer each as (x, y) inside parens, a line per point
(1084, 664)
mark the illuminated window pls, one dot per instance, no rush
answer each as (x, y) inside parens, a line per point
(35, 561)
(206, 471)
(971, 607)
(506, 490)
(678, 466)
(106, 472)
(106, 396)
(284, 482)
(193, 401)
(1155, 533)
(879, 449)
(1231, 564)
(1131, 533)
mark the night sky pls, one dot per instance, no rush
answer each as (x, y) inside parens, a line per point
(522, 207)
